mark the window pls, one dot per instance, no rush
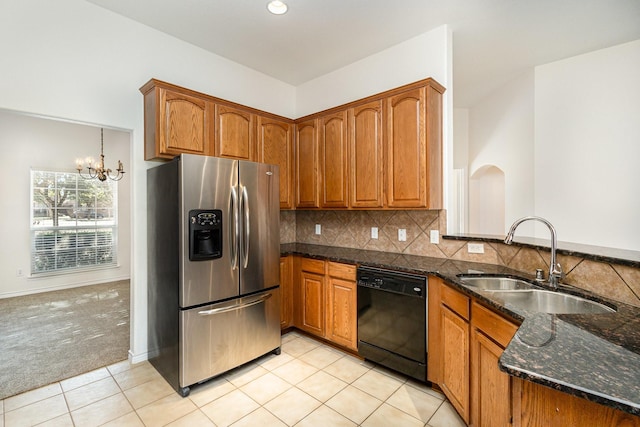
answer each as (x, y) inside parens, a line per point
(74, 222)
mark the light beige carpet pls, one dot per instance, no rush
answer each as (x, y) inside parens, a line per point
(51, 336)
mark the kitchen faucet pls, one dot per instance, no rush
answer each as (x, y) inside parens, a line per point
(555, 269)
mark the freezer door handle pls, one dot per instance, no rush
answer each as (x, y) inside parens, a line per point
(246, 227)
(233, 228)
(236, 306)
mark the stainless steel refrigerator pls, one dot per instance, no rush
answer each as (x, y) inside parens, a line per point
(213, 266)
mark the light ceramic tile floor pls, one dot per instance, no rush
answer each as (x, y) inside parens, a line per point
(309, 384)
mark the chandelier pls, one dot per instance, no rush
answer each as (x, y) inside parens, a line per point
(97, 170)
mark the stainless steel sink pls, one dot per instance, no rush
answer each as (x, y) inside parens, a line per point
(495, 283)
(521, 294)
(541, 301)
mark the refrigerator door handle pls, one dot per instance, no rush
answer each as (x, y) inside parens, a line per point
(236, 306)
(233, 228)
(246, 227)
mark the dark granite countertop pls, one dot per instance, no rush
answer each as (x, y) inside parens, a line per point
(596, 357)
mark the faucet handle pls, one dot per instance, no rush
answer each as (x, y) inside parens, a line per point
(557, 271)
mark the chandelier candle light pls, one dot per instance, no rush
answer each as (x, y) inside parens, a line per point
(98, 170)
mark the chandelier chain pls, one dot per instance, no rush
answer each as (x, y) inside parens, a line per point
(98, 171)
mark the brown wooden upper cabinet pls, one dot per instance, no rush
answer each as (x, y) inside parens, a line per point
(307, 163)
(381, 152)
(414, 149)
(332, 135)
(234, 133)
(175, 122)
(275, 146)
(366, 156)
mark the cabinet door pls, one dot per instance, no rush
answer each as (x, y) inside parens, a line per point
(434, 334)
(538, 405)
(342, 322)
(333, 160)
(313, 302)
(455, 361)
(235, 133)
(183, 124)
(307, 165)
(366, 156)
(275, 146)
(490, 334)
(286, 292)
(490, 386)
(406, 150)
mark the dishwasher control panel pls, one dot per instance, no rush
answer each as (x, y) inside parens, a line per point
(392, 281)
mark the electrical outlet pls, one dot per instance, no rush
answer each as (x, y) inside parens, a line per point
(434, 236)
(318, 229)
(19, 272)
(475, 248)
(402, 234)
(374, 232)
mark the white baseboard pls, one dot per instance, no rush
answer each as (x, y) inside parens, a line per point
(61, 287)
(137, 358)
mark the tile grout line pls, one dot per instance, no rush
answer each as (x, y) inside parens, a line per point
(303, 339)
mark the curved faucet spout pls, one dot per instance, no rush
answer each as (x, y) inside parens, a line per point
(555, 269)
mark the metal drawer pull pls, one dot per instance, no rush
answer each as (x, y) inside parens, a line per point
(235, 306)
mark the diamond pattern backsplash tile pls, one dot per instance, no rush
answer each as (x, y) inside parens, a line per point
(352, 229)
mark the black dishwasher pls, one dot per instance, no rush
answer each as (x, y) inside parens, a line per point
(392, 320)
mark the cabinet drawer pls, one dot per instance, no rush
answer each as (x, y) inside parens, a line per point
(342, 271)
(312, 265)
(456, 301)
(497, 327)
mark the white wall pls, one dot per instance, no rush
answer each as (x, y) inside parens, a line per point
(459, 202)
(487, 201)
(71, 59)
(415, 59)
(587, 147)
(34, 142)
(501, 134)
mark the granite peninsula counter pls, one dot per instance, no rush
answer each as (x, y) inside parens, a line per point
(596, 357)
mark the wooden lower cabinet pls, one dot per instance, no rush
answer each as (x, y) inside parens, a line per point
(286, 292)
(325, 303)
(342, 322)
(465, 341)
(490, 387)
(312, 297)
(539, 406)
(454, 322)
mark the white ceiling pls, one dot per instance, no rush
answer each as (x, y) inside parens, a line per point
(493, 40)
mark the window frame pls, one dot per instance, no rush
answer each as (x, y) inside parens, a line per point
(76, 241)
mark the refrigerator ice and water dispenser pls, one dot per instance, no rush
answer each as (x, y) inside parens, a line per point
(205, 234)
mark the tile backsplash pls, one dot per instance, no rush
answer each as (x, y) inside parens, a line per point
(352, 229)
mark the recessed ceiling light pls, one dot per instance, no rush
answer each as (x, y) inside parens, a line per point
(277, 7)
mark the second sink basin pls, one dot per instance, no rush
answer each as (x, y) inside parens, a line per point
(542, 301)
(495, 283)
